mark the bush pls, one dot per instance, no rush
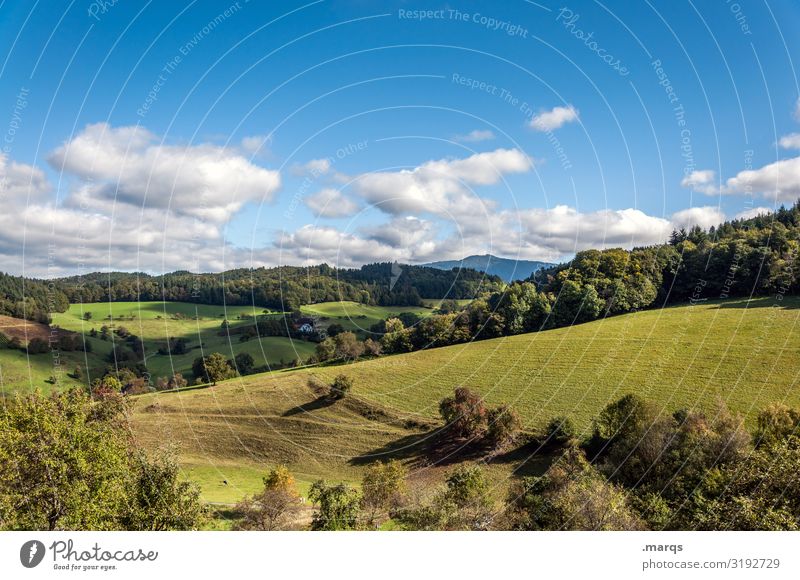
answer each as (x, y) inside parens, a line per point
(775, 424)
(337, 506)
(160, 499)
(37, 345)
(340, 387)
(347, 347)
(464, 414)
(572, 495)
(372, 347)
(335, 329)
(244, 363)
(176, 381)
(559, 432)
(503, 426)
(88, 474)
(464, 504)
(212, 368)
(382, 489)
(275, 507)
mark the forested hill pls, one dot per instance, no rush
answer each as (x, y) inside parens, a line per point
(31, 299)
(746, 257)
(285, 287)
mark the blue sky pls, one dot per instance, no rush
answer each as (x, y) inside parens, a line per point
(202, 136)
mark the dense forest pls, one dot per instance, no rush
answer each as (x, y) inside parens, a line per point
(284, 288)
(30, 299)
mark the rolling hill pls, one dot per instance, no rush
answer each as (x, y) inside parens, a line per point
(508, 269)
(745, 353)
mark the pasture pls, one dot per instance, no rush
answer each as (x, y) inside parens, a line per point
(743, 353)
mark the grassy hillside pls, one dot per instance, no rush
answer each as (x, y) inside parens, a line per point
(156, 322)
(20, 371)
(747, 354)
(357, 317)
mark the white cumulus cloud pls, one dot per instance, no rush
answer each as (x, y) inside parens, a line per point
(778, 181)
(704, 216)
(790, 141)
(442, 186)
(475, 136)
(128, 165)
(20, 182)
(554, 118)
(330, 203)
(701, 181)
(753, 212)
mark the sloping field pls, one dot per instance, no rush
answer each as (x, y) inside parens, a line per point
(358, 317)
(745, 353)
(21, 372)
(199, 324)
(24, 330)
(231, 434)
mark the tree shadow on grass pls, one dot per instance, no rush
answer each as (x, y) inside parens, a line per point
(321, 402)
(411, 447)
(531, 458)
(785, 303)
(431, 448)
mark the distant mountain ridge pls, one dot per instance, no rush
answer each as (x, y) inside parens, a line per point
(506, 268)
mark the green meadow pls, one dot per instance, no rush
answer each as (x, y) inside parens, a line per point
(743, 353)
(358, 317)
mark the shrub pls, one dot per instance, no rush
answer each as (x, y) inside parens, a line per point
(337, 506)
(160, 499)
(340, 387)
(572, 495)
(560, 431)
(212, 368)
(244, 363)
(503, 425)
(275, 507)
(372, 347)
(37, 345)
(775, 424)
(382, 488)
(464, 413)
(347, 346)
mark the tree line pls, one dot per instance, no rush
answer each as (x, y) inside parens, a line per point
(740, 258)
(283, 288)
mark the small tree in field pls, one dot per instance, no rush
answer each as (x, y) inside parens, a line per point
(559, 432)
(347, 346)
(382, 488)
(504, 425)
(340, 387)
(275, 507)
(244, 363)
(464, 413)
(37, 345)
(337, 506)
(212, 368)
